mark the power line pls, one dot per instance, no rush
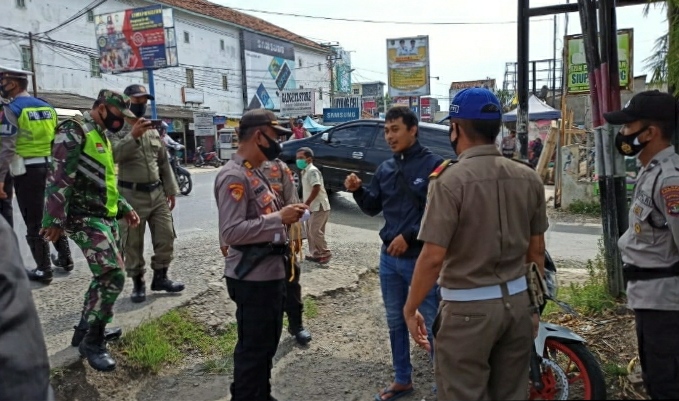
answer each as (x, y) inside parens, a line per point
(77, 15)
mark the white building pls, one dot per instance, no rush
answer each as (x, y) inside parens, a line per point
(210, 74)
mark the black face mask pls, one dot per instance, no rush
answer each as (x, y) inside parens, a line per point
(112, 122)
(273, 151)
(628, 145)
(138, 109)
(453, 144)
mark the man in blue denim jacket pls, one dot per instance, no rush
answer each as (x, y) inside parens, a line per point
(399, 190)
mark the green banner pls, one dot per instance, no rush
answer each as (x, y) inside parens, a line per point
(577, 78)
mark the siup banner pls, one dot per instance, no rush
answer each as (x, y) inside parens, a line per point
(408, 66)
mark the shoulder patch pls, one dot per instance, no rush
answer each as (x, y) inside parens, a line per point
(236, 190)
(441, 168)
(670, 194)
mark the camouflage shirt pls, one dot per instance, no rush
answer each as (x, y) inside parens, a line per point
(69, 193)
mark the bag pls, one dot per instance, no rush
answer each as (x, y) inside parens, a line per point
(17, 166)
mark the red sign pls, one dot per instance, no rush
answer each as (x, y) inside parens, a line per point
(425, 104)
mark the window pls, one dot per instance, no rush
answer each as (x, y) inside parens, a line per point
(356, 92)
(320, 93)
(319, 66)
(21, 3)
(354, 136)
(225, 82)
(221, 44)
(95, 69)
(189, 78)
(299, 61)
(26, 58)
(145, 76)
(438, 141)
(301, 87)
(90, 16)
(187, 37)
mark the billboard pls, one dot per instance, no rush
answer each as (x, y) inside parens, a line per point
(425, 103)
(341, 114)
(136, 39)
(269, 70)
(408, 66)
(488, 83)
(342, 72)
(203, 123)
(347, 102)
(299, 102)
(577, 77)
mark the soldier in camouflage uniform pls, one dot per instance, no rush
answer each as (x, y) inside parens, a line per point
(82, 200)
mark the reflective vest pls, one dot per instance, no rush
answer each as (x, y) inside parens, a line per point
(36, 121)
(96, 163)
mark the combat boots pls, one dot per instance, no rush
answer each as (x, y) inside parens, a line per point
(41, 253)
(64, 258)
(296, 329)
(139, 290)
(93, 347)
(110, 334)
(162, 283)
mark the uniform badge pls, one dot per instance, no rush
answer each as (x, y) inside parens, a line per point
(100, 148)
(274, 168)
(255, 182)
(267, 198)
(276, 187)
(637, 228)
(637, 211)
(671, 196)
(249, 173)
(236, 191)
(444, 165)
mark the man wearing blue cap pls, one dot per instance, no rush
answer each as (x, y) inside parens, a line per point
(485, 220)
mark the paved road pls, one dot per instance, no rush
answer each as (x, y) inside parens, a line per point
(198, 262)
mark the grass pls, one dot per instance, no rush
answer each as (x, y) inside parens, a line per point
(614, 370)
(587, 208)
(176, 335)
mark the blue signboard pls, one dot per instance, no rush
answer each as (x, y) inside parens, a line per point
(340, 115)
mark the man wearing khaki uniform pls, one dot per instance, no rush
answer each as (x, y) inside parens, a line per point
(313, 192)
(146, 180)
(485, 218)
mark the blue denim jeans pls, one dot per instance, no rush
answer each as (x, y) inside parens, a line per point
(395, 276)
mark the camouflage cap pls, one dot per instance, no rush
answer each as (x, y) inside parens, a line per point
(117, 100)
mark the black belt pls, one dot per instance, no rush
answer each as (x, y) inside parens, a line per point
(632, 272)
(254, 254)
(136, 186)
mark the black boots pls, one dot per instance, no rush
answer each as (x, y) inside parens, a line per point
(93, 347)
(110, 334)
(41, 253)
(64, 259)
(139, 290)
(162, 283)
(296, 329)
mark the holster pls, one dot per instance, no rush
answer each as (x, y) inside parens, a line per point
(636, 273)
(537, 288)
(253, 254)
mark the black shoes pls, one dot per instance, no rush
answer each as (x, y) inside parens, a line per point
(42, 276)
(162, 283)
(64, 258)
(302, 335)
(110, 334)
(93, 347)
(139, 290)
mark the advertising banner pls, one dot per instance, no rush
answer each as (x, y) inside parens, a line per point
(203, 123)
(342, 73)
(457, 86)
(408, 66)
(347, 102)
(340, 115)
(269, 70)
(136, 39)
(576, 65)
(299, 102)
(425, 103)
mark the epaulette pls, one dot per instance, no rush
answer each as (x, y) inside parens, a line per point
(524, 163)
(444, 165)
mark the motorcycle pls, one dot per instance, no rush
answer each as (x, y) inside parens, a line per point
(203, 158)
(561, 366)
(181, 174)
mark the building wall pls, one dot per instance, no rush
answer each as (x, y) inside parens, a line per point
(312, 73)
(60, 70)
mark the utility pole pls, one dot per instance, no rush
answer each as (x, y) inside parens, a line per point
(33, 78)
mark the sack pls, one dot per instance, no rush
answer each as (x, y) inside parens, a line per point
(537, 288)
(17, 166)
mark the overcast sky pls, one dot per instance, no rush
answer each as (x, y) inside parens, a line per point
(457, 52)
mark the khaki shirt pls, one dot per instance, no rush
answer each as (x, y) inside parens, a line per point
(483, 209)
(311, 176)
(652, 238)
(143, 160)
(248, 214)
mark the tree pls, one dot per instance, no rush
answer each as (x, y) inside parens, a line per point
(505, 98)
(664, 62)
(380, 102)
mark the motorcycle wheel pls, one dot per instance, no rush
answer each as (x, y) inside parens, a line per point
(185, 183)
(578, 366)
(197, 164)
(217, 163)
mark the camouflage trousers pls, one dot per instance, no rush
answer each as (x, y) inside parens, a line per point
(98, 240)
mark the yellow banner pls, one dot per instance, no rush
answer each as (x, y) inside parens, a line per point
(408, 78)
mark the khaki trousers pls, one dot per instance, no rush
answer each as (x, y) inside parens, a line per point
(152, 208)
(315, 228)
(482, 349)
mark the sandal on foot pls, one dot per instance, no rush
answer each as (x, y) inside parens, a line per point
(394, 394)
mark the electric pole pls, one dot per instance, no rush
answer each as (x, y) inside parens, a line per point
(33, 78)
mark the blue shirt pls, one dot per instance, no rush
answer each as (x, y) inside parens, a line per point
(387, 194)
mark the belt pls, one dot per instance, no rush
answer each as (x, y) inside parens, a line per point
(634, 273)
(38, 160)
(138, 186)
(484, 293)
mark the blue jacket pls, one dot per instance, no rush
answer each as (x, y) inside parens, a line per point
(387, 194)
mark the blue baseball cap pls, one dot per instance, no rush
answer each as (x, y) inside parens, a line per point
(475, 104)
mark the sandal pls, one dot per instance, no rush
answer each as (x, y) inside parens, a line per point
(395, 394)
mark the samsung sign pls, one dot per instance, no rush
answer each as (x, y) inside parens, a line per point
(339, 115)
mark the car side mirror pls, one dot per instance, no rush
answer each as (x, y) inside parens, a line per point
(325, 137)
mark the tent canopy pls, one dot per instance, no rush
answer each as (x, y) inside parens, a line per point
(314, 127)
(537, 110)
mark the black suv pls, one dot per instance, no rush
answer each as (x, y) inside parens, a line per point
(358, 147)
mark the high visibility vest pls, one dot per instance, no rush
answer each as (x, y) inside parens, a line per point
(37, 121)
(96, 163)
